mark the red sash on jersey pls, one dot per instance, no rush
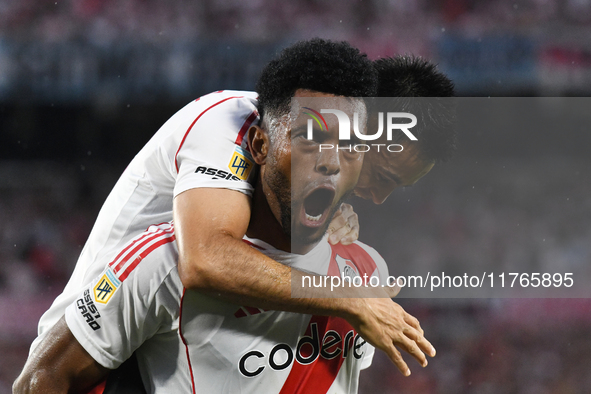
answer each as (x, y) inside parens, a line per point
(316, 378)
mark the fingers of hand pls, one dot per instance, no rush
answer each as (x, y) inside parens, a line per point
(408, 334)
(335, 228)
(351, 236)
(337, 235)
(344, 227)
(341, 230)
(396, 358)
(346, 209)
(425, 346)
(422, 342)
(412, 348)
(413, 322)
(337, 221)
(418, 335)
(352, 221)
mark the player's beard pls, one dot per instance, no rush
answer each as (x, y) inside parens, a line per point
(280, 186)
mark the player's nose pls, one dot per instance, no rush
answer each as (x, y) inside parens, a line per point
(328, 162)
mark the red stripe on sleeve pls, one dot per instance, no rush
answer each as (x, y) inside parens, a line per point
(143, 255)
(130, 245)
(245, 127)
(143, 243)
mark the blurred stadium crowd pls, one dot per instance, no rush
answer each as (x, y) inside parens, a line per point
(101, 51)
(88, 61)
(109, 22)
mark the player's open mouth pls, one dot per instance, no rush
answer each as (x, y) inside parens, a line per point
(316, 205)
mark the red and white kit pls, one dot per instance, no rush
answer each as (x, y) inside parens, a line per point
(202, 145)
(188, 342)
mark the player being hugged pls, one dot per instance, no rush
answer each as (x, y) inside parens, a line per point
(185, 340)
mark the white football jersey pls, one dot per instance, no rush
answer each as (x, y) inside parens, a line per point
(202, 145)
(188, 342)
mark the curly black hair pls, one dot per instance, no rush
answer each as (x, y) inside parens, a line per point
(424, 91)
(411, 76)
(319, 65)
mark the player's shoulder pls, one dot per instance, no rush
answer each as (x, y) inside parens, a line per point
(228, 98)
(222, 108)
(364, 256)
(229, 107)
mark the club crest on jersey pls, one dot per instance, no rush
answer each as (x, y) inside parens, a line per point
(347, 268)
(241, 163)
(105, 287)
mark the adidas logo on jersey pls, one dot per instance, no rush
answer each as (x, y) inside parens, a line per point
(216, 174)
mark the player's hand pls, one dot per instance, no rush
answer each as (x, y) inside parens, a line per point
(387, 326)
(344, 227)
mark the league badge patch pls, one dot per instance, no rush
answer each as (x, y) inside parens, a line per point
(106, 286)
(241, 163)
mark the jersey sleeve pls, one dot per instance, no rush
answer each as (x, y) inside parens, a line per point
(368, 356)
(213, 151)
(114, 315)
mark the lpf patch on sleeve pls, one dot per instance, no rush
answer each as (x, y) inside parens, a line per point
(105, 287)
(241, 163)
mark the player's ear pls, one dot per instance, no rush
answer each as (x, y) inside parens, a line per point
(258, 142)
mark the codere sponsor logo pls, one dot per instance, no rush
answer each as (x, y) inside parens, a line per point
(307, 351)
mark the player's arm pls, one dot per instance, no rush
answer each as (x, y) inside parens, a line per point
(209, 226)
(59, 365)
